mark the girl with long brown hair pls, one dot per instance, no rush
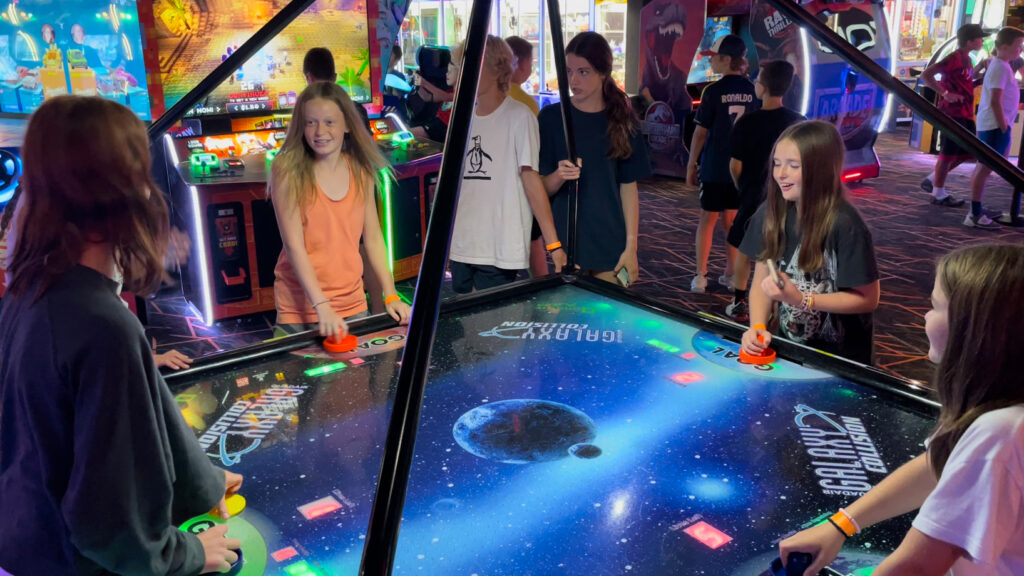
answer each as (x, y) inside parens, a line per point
(969, 485)
(96, 462)
(828, 284)
(322, 186)
(612, 156)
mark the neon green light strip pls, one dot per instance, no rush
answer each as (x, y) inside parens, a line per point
(388, 237)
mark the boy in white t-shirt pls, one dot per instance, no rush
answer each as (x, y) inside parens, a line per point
(1000, 96)
(501, 189)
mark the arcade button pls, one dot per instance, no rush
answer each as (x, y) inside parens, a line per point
(765, 357)
(346, 344)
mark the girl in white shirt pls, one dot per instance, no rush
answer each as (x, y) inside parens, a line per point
(969, 485)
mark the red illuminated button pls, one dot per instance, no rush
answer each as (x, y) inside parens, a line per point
(284, 554)
(321, 507)
(708, 535)
(687, 377)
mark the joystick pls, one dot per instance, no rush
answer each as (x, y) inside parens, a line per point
(346, 344)
(765, 357)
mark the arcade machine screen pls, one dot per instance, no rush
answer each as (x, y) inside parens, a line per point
(87, 47)
(700, 71)
(562, 431)
(272, 79)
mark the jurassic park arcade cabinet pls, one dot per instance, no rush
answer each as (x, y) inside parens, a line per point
(671, 31)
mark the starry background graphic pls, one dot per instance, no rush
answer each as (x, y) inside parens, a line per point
(686, 435)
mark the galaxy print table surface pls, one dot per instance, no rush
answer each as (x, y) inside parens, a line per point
(562, 432)
(565, 432)
(306, 429)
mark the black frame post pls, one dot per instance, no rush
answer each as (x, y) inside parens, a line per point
(565, 103)
(393, 480)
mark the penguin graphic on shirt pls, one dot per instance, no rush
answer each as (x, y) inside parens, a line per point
(476, 156)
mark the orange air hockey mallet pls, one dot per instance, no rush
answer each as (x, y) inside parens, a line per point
(765, 357)
(346, 344)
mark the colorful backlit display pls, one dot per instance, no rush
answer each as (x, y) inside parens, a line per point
(561, 432)
(272, 78)
(87, 47)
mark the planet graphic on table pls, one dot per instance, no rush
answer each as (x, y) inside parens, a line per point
(524, 431)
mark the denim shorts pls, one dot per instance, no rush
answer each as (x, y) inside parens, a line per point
(996, 139)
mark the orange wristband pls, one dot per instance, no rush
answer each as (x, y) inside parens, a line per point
(758, 327)
(844, 523)
(392, 298)
(553, 246)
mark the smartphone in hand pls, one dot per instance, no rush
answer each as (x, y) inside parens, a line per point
(623, 277)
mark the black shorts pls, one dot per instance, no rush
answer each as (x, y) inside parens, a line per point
(719, 196)
(535, 231)
(466, 277)
(740, 223)
(948, 147)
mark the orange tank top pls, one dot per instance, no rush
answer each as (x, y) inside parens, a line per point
(331, 230)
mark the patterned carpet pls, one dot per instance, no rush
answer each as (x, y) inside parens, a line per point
(909, 235)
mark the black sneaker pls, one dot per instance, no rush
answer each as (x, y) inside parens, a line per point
(738, 311)
(926, 185)
(949, 201)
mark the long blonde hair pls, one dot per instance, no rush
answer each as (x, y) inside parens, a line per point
(296, 157)
(821, 193)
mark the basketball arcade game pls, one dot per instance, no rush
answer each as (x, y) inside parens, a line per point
(218, 160)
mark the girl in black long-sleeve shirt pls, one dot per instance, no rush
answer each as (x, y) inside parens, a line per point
(97, 465)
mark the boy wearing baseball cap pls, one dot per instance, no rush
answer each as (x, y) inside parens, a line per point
(721, 104)
(956, 99)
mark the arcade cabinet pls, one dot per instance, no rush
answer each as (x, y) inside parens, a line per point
(826, 87)
(218, 162)
(839, 94)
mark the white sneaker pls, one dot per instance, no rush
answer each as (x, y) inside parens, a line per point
(981, 221)
(699, 284)
(726, 280)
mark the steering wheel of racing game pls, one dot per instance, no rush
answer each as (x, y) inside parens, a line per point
(10, 171)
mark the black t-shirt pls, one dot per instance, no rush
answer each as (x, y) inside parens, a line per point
(849, 263)
(96, 461)
(601, 226)
(753, 137)
(721, 105)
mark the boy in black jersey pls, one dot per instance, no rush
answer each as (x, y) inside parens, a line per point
(753, 138)
(721, 105)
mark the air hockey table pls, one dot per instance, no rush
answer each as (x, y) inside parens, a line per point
(567, 428)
